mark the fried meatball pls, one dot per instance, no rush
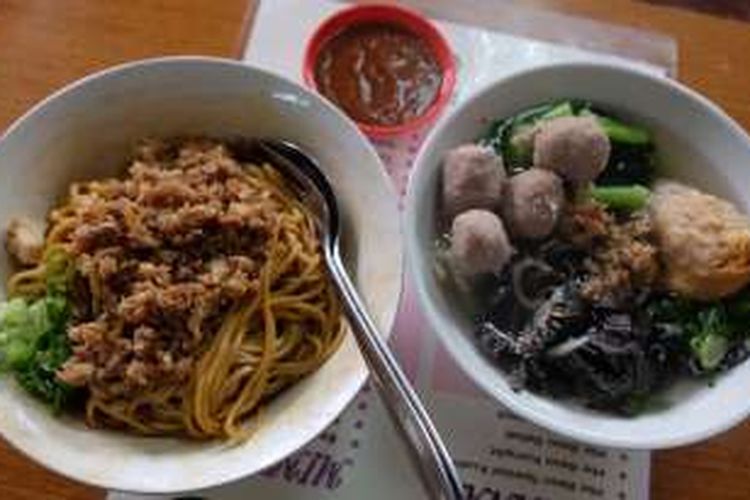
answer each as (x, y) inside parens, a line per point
(479, 244)
(532, 203)
(576, 147)
(704, 242)
(473, 177)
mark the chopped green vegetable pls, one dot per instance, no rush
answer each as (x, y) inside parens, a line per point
(709, 320)
(710, 330)
(710, 350)
(33, 338)
(622, 198)
(17, 353)
(21, 324)
(34, 345)
(39, 375)
(709, 334)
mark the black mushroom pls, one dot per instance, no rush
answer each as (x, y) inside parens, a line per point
(473, 177)
(605, 358)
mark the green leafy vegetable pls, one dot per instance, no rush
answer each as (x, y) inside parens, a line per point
(710, 330)
(33, 339)
(520, 148)
(39, 375)
(622, 133)
(505, 137)
(622, 198)
(33, 345)
(618, 131)
(710, 350)
(709, 335)
(565, 108)
(631, 160)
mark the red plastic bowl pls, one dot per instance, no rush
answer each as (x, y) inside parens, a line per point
(406, 19)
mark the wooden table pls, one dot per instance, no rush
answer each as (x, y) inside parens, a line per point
(47, 43)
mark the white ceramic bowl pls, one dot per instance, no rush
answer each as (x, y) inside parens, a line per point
(86, 131)
(697, 142)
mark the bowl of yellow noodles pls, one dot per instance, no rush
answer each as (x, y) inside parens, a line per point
(167, 322)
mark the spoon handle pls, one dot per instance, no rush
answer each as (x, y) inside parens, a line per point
(437, 470)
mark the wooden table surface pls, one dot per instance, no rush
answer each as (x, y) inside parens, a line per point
(47, 43)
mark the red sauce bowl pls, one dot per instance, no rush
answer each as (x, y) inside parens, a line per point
(403, 18)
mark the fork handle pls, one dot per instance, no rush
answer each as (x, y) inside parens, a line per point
(428, 451)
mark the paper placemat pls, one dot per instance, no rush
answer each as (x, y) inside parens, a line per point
(499, 456)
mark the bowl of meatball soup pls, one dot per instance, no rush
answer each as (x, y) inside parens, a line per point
(579, 240)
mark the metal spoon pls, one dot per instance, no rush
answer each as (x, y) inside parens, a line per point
(436, 467)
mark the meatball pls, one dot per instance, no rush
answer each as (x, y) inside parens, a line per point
(576, 147)
(473, 177)
(479, 244)
(24, 240)
(704, 242)
(533, 202)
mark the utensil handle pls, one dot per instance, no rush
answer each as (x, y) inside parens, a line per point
(435, 465)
